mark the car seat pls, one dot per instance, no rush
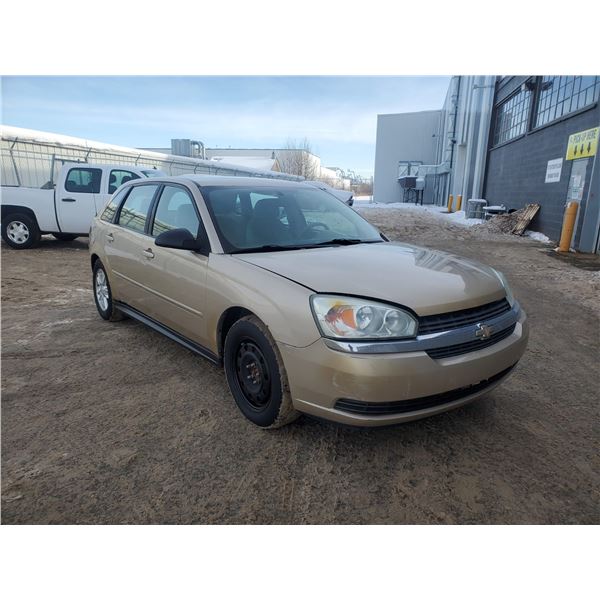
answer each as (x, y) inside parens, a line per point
(265, 226)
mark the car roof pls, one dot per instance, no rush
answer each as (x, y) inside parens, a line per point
(222, 181)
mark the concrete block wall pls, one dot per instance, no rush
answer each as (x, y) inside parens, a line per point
(516, 170)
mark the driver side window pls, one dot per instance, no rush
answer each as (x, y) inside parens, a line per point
(176, 210)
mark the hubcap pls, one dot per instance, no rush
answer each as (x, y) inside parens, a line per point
(253, 374)
(18, 232)
(101, 286)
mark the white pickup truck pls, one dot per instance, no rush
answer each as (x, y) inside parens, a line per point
(65, 210)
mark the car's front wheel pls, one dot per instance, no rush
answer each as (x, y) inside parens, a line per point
(256, 375)
(103, 295)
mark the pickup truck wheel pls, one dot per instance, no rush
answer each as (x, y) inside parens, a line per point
(256, 375)
(65, 237)
(20, 231)
(103, 294)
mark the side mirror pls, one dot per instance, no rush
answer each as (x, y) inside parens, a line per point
(180, 239)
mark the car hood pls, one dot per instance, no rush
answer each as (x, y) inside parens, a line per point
(427, 281)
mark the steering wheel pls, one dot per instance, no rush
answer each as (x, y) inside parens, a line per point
(314, 226)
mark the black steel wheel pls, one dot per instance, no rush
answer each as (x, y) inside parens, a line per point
(253, 374)
(256, 375)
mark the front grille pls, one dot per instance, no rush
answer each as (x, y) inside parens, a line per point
(460, 318)
(358, 407)
(477, 344)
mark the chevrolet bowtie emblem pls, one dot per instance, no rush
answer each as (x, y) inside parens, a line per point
(483, 331)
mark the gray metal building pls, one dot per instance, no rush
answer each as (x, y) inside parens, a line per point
(404, 137)
(509, 140)
(446, 146)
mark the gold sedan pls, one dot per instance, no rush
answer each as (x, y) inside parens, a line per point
(308, 307)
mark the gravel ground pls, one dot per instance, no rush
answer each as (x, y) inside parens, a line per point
(112, 423)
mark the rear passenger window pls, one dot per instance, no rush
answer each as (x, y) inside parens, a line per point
(134, 211)
(118, 177)
(83, 181)
(108, 213)
(175, 210)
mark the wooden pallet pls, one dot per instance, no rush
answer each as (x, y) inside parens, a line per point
(525, 216)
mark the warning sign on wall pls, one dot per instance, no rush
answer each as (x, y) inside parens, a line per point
(583, 144)
(553, 170)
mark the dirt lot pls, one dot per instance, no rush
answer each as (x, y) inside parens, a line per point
(112, 423)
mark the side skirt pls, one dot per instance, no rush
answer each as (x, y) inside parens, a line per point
(168, 332)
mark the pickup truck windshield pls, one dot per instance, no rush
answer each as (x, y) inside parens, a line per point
(270, 218)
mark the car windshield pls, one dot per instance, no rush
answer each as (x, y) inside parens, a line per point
(283, 218)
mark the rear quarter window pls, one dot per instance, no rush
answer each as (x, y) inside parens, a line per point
(134, 212)
(108, 214)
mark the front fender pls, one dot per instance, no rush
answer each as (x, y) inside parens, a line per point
(283, 305)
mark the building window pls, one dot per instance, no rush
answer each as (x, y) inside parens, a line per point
(564, 94)
(512, 116)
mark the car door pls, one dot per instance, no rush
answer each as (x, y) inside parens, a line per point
(76, 199)
(126, 240)
(176, 279)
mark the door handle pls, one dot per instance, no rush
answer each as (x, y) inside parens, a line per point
(110, 237)
(68, 199)
(148, 253)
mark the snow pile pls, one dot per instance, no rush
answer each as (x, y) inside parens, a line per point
(457, 218)
(460, 218)
(538, 237)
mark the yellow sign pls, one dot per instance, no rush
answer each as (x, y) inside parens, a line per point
(583, 144)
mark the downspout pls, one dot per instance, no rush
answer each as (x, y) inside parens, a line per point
(487, 104)
(452, 141)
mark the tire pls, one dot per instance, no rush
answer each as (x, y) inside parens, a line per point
(103, 295)
(256, 375)
(20, 231)
(65, 237)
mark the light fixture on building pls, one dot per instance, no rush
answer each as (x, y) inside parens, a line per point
(528, 86)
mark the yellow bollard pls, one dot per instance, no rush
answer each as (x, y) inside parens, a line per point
(568, 226)
(450, 200)
(458, 202)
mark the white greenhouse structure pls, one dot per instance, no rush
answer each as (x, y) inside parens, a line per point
(33, 159)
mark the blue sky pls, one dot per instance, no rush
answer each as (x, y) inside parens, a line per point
(338, 115)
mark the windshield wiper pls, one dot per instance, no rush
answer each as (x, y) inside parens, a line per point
(344, 242)
(266, 248)
(278, 247)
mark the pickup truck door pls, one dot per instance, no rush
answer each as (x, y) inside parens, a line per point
(112, 179)
(76, 198)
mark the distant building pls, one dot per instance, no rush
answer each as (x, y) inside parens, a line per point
(509, 140)
(403, 138)
(284, 160)
(253, 162)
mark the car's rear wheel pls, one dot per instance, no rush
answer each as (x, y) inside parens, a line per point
(20, 231)
(65, 237)
(103, 295)
(256, 375)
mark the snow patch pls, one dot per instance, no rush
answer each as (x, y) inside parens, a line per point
(539, 237)
(441, 212)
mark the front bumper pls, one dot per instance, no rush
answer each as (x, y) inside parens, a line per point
(320, 376)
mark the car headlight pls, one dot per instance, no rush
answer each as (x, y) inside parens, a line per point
(347, 318)
(504, 281)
